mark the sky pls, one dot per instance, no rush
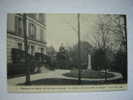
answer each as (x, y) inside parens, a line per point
(62, 28)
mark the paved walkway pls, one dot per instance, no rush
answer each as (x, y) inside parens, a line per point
(56, 74)
(38, 76)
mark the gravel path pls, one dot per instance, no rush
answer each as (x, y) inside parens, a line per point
(58, 74)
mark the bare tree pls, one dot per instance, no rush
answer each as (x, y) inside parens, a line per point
(103, 40)
(120, 30)
(103, 34)
(111, 33)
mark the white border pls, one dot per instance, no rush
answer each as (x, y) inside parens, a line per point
(66, 6)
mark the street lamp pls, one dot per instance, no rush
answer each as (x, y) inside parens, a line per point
(27, 81)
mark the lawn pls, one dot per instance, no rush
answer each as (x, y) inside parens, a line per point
(91, 74)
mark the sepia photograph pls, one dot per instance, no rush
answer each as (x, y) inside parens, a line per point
(66, 52)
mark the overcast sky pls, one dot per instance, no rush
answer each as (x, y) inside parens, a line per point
(61, 28)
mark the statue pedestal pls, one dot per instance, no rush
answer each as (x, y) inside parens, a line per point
(89, 62)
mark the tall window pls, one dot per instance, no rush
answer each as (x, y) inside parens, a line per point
(20, 46)
(32, 50)
(41, 35)
(42, 50)
(32, 31)
(41, 18)
(19, 25)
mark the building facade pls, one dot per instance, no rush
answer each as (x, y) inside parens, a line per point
(36, 34)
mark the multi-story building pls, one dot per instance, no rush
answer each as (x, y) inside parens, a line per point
(36, 34)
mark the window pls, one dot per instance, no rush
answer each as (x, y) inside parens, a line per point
(42, 50)
(32, 50)
(41, 35)
(19, 25)
(20, 46)
(32, 31)
(41, 18)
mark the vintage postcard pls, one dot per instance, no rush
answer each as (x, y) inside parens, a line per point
(73, 52)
